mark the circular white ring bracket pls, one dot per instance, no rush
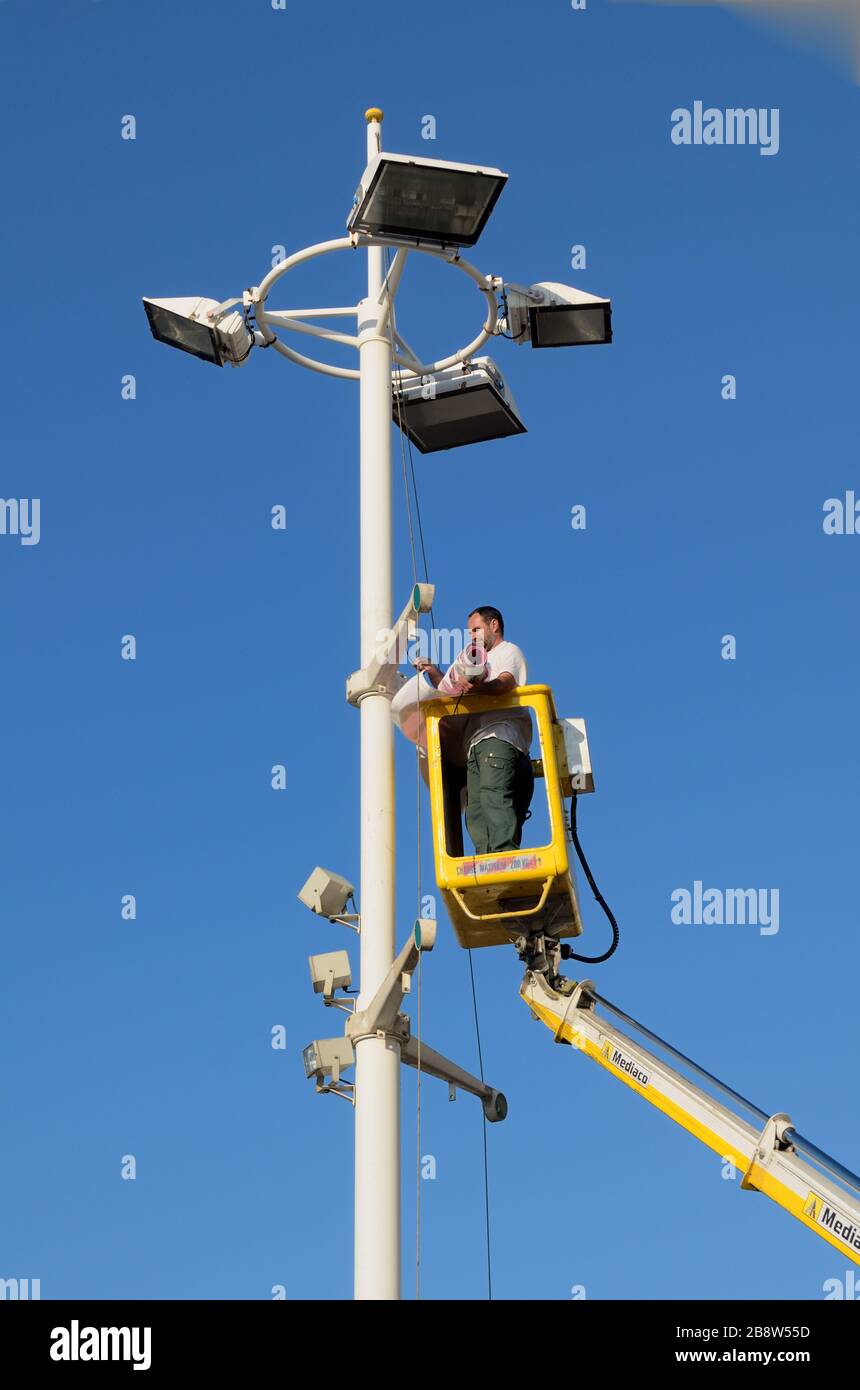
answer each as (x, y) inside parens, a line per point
(407, 367)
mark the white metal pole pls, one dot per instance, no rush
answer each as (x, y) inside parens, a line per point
(377, 1060)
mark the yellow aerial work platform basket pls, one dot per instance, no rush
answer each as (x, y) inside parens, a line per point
(493, 898)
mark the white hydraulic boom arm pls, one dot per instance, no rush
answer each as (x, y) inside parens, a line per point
(774, 1159)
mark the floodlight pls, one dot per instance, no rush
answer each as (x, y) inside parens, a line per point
(425, 200)
(326, 893)
(190, 324)
(461, 405)
(552, 315)
(328, 1057)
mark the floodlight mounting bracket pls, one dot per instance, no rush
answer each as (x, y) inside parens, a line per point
(407, 366)
(382, 1018)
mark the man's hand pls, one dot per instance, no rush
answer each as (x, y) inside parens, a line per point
(500, 686)
(433, 674)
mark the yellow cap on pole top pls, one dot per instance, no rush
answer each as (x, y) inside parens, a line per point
(373, 114)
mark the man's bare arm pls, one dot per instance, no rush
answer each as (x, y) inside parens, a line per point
(433, 674)
(502, 685)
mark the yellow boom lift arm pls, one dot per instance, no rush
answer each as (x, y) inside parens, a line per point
(766, 1149)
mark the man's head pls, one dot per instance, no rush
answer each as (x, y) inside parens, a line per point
(487, 627)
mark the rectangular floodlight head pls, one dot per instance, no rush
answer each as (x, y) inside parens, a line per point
(553, 315)
(428, 201)
(187, 323)
(462, 405)
(327, 1057)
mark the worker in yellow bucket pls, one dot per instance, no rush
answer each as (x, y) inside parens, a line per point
(499, 777)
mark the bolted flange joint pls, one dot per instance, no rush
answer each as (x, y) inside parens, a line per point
(366, 1025)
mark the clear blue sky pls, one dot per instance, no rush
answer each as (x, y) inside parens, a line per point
(152, 777)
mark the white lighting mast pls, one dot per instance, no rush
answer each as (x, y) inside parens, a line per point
(434, 208)
(377, 1059)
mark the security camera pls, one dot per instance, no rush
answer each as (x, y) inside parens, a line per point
(329, 972)
(553, 315)
(326, 893)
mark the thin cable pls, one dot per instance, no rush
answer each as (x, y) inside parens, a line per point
(391, 331)
(420, 1030)
(407, 446)
(418, 515)
(484, 1119)
(506, 316)
(418, 1143)
(403, 450)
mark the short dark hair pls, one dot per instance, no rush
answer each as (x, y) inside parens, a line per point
(488, 613)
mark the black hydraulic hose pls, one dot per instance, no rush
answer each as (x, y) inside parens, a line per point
(566, 952)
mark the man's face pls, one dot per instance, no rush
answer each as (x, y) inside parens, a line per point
(486, 634)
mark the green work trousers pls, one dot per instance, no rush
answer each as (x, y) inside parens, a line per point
(499, 788)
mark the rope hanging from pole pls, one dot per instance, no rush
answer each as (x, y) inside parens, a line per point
(409, 493)
(391, 332)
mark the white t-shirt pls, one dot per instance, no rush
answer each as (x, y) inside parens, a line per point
(512, 725)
